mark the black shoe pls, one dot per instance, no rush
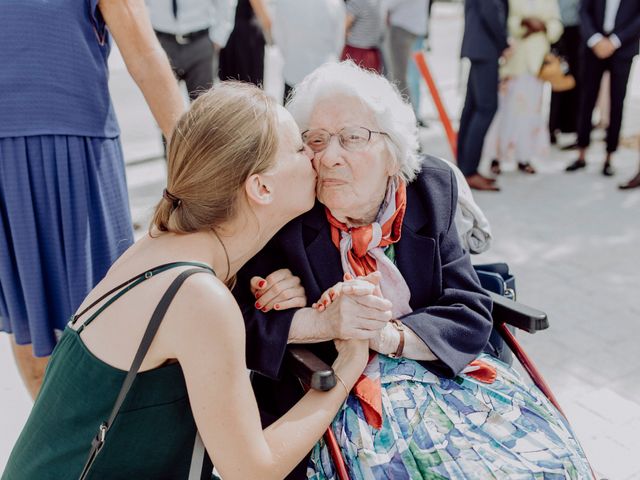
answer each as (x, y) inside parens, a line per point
(576, 165)
(607, 170)
(527, 168)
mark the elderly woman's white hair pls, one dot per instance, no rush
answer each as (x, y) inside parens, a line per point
(391, 113)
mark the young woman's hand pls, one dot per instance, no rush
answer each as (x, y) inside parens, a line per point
(278, 291)
(352, 359)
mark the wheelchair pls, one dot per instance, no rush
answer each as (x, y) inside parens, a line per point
(508, 317)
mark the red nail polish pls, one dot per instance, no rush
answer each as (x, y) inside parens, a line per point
(258, 305)
(264, 309)
(325, 302)
(277, 306)
(332, 295)
(258, 295)
(261, 283)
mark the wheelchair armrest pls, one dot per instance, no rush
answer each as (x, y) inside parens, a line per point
(309, 369)
(518, 315)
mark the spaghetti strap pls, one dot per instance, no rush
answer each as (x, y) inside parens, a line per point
(128, 285)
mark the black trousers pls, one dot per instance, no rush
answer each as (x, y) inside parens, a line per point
(564, 105)
(480, 106)
(591, 77)
(191, 62)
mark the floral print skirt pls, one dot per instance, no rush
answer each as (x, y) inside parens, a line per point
(460, 428)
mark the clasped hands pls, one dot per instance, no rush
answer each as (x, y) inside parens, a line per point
(351, 309)
(604, 48)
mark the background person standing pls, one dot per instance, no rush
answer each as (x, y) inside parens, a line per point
(365, 32)
(308, 34)
(519, 132)
(564, 105)
(243, 56)
(192, 32)
(408, 21)
(64, 209)
(610, 35)
(484, 41)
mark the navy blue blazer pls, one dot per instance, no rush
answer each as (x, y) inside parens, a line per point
(626, 26)
(485, 29)
(451, 312)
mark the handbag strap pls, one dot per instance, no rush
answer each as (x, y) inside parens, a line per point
(156, 319)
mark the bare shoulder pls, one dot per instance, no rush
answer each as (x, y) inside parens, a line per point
(204, 310)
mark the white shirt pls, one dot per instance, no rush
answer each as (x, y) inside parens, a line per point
(412, 15)
(610, 13)
(194, 15)
(308, 34)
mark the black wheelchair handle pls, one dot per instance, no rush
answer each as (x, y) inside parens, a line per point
(309, 369)
(518, 315)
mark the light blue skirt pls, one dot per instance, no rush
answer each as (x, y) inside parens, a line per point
(436, 428)
(64, 219)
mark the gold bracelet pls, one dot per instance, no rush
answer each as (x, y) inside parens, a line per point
(342, 382)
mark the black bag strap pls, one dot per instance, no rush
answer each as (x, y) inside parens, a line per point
(156, 319)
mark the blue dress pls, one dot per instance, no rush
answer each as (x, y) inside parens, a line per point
(64, 210)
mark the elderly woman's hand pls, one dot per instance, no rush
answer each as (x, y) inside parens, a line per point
(355, 307)
(279, 291)
(332, 293)
(386, 340)
(358, 312)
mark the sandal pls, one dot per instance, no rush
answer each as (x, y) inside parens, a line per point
(527, 168)
(495, 167)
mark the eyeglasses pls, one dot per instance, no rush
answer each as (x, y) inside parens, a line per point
(350, 138)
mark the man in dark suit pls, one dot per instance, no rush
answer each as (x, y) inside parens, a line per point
(484, 42)
(610, 34)
(451, 312)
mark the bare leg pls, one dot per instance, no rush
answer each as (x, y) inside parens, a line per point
(31, 368)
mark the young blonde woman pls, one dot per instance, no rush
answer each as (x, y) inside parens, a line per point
(237, 172)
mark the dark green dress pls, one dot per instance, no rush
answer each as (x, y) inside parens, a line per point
(153, 437)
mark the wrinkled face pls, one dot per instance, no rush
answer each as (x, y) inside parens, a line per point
(293, 175)
(350, 181)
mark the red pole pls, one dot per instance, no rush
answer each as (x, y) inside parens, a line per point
(528, 365)
(336, 455)
(452, 136)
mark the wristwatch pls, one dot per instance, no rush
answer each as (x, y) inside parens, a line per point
(400, 327)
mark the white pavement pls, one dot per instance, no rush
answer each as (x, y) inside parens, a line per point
(573, 242)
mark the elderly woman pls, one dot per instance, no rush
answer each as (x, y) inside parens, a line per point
(429, 405)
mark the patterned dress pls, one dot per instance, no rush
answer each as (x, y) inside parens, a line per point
(460, 428)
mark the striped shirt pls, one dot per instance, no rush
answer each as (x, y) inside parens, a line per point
(367, 29)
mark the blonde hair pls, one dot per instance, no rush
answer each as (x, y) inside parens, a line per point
(228, 134)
